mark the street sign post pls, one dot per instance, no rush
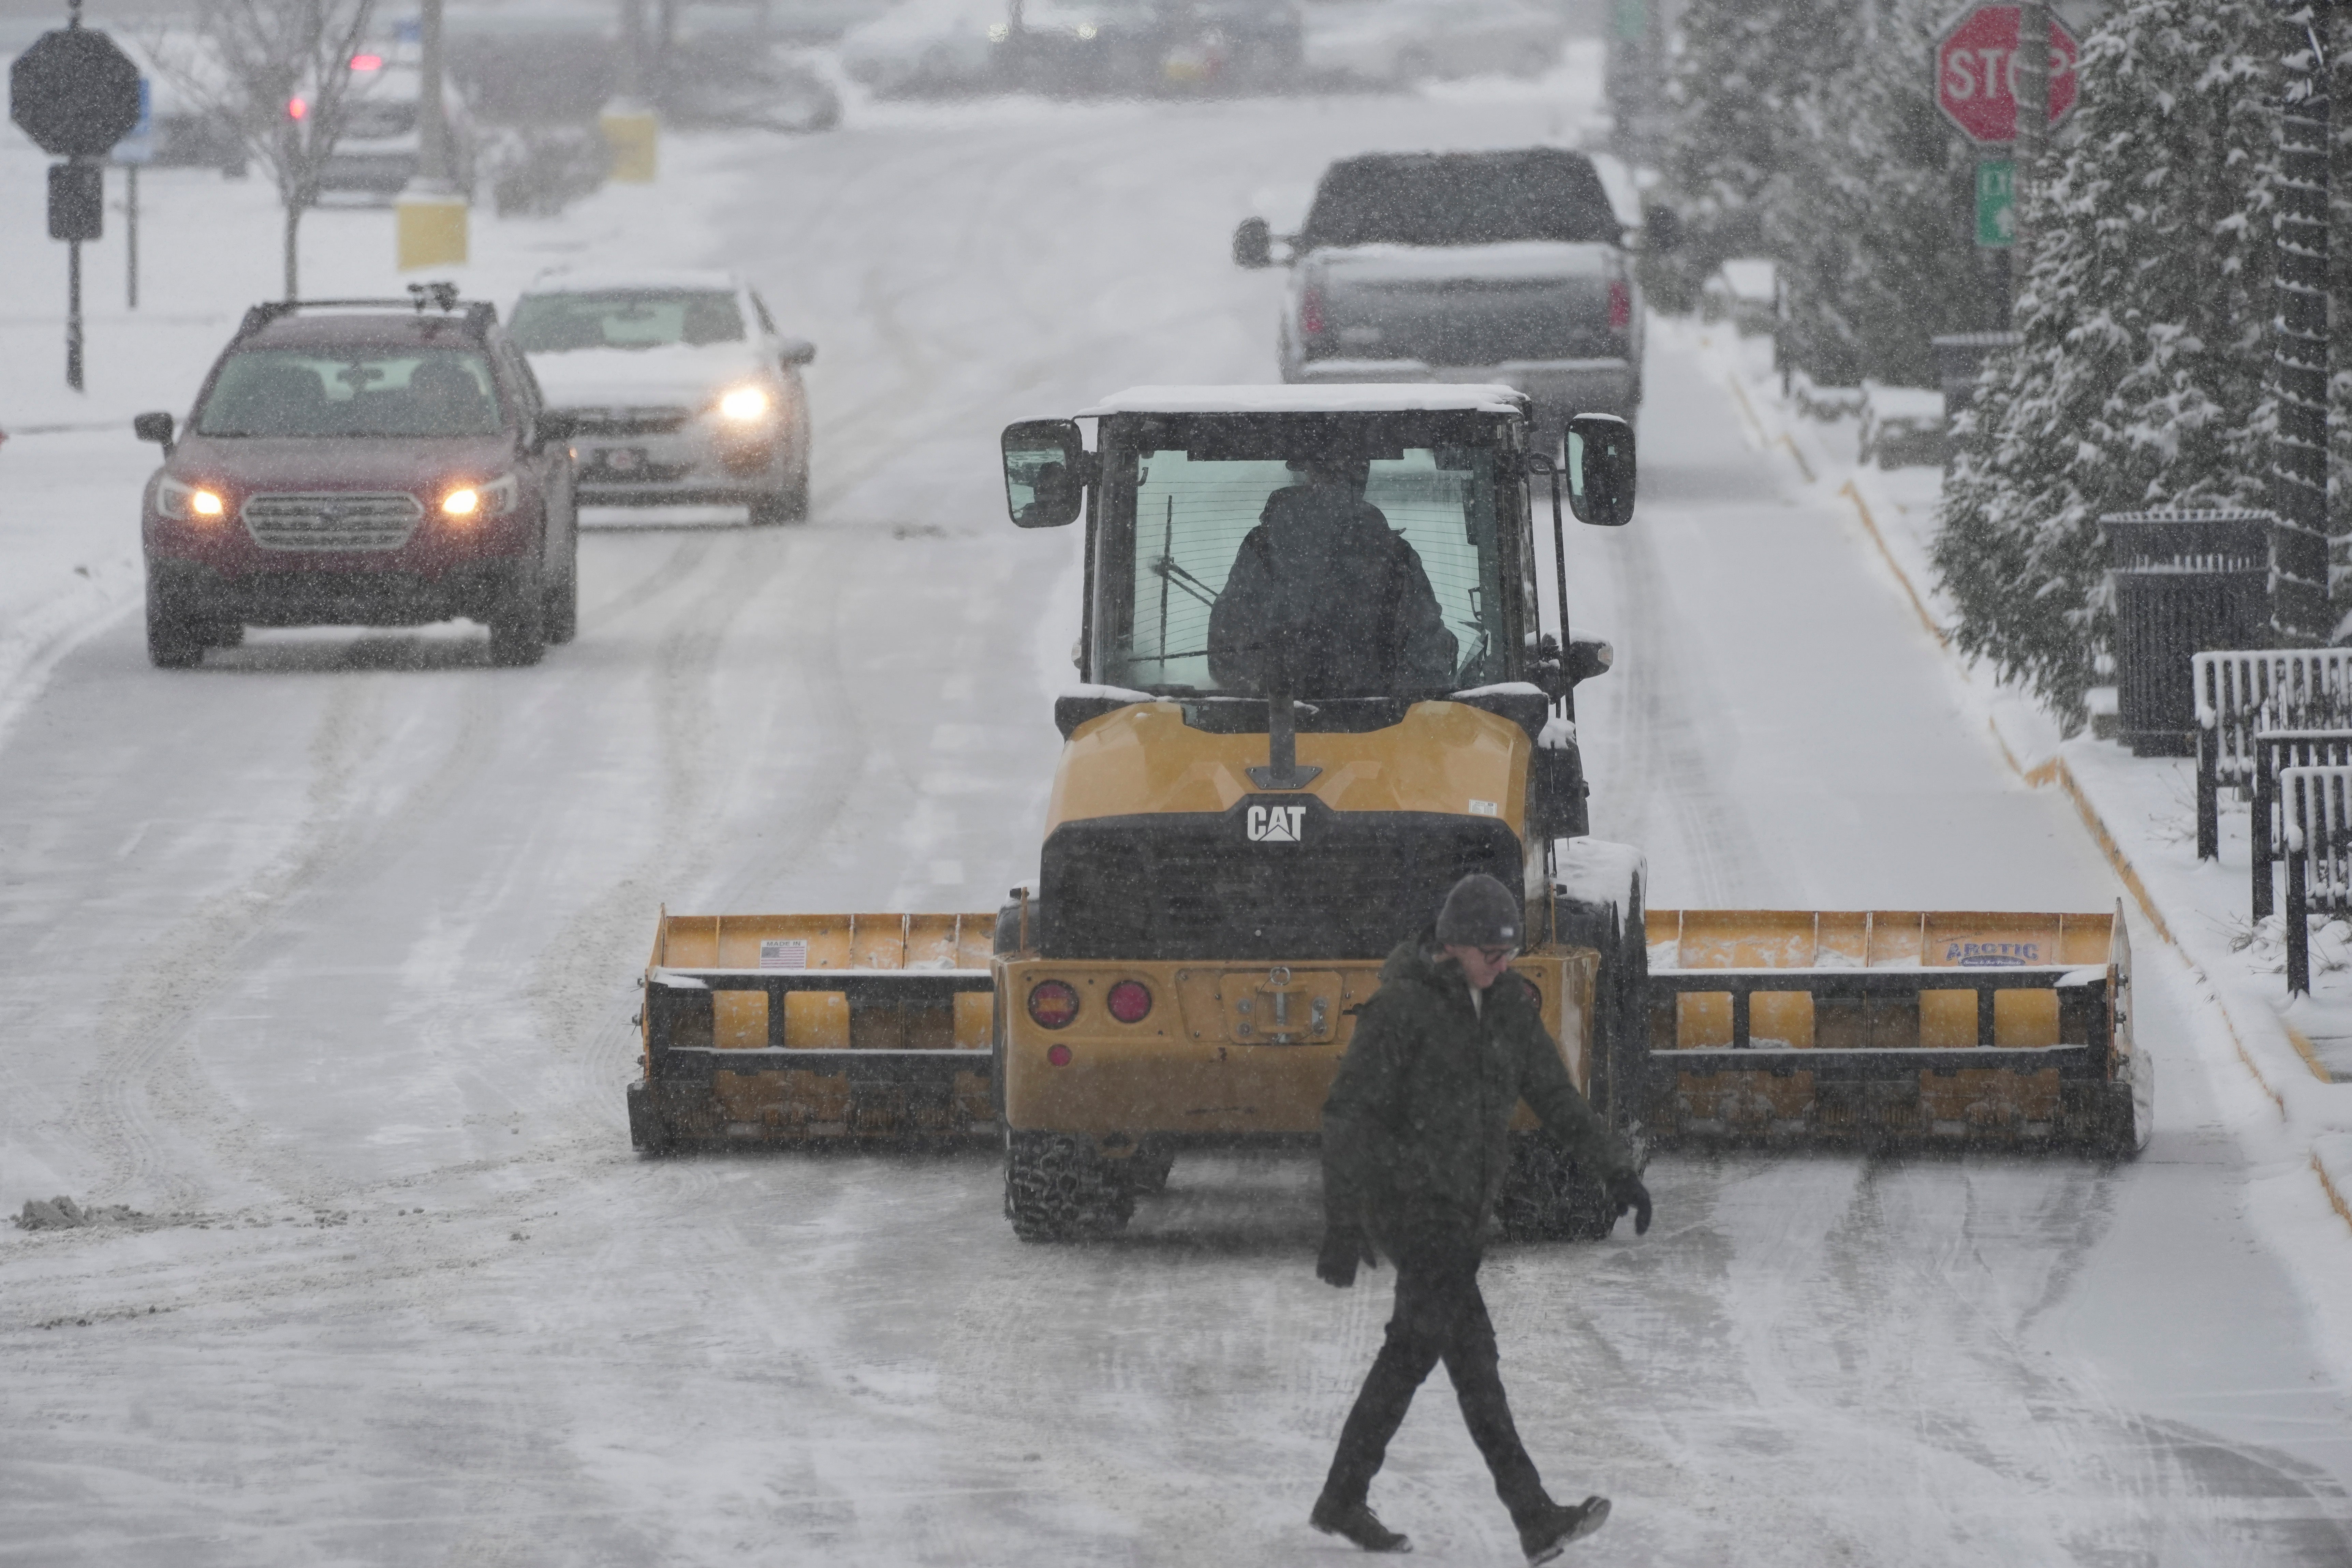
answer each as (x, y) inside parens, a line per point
(76, 94)
(1976, 73)
(1996, 203)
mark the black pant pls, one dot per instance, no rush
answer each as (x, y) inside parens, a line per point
(1440, 1316)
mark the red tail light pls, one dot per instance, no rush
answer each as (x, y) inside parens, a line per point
(1621, 305)
(1310, 313)
(1053, 1003)
(1130, 1001)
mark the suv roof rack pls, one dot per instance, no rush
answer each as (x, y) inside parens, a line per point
(479, 315)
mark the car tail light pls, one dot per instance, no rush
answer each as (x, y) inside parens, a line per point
(1310, 312)
(1053, 1004)
(1621, 305)
(1130, 1001)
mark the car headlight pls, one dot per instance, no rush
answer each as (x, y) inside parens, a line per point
(745, 405)
(494, 499)
(189, 503)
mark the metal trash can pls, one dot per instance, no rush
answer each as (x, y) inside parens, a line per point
(2193, 582)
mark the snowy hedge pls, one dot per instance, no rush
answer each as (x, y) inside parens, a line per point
(2144, 376)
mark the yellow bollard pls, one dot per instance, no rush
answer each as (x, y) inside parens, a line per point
(432, 230)
(631, 135)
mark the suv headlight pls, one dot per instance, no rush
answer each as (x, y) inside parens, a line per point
(189, 503)
(747, 405)
(494, 499)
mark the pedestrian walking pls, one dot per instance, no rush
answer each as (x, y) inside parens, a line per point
(1415, 1145)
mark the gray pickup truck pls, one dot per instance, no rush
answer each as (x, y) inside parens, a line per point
(1507, 266)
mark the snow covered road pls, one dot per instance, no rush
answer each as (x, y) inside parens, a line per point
(320, 958)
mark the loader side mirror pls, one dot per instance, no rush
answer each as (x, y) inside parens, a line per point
(1253, 243)
(155, 427)
(1601, 472)
(1045, 473)
(1588, 656)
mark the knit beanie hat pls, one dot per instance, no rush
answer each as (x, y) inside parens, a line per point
(1480, 912)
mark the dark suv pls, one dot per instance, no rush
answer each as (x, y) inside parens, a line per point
(377, 463)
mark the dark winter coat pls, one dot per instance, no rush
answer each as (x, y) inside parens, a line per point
(1325, 599)
(1416, 1129)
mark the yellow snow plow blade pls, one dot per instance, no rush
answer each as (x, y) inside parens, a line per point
(1893, 1027)
(794, 1028)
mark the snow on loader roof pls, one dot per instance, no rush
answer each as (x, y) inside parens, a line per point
(1344, 397)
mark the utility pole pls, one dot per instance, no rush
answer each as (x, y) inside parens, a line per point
(430, 216)
(2298, 481)
(2033, 92)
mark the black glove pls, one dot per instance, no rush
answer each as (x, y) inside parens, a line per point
(1626, 1192)
(1342, 1251)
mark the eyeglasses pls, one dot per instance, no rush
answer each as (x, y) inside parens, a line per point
(1499, 954)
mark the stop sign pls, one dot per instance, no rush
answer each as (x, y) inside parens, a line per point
(74, 93)
(1976, 72)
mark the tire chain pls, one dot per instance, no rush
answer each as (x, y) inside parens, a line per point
(1057, 1191)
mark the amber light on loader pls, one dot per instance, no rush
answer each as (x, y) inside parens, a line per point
(1053, 1004)
(1130, 1001)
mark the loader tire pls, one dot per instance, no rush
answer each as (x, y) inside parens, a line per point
(1545, 1198)
(1057, 1190)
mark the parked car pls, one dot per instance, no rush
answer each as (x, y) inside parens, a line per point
(726, 81)
(930, 47)
(362, 463)
(382, 146)
(679, 386)
(1398, 42)
(1506, 266)
(1745, 291)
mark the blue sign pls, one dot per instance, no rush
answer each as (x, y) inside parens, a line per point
(139, 147)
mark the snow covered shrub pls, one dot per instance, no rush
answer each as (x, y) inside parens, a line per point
(2144, 372)
(1742, 70)
(1869, 213)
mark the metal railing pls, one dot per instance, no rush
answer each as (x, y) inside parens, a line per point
(2249, 692)
(2274, 750)
(2318, 811)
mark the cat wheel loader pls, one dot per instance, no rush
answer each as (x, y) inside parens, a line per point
(1318, 688)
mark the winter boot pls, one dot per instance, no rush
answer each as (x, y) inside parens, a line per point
(1547, 1535)
(1355, 1521)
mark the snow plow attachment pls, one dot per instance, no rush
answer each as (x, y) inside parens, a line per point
(1886, 1028)
(798, 1027)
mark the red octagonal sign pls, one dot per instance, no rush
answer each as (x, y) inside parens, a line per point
(1976, 72)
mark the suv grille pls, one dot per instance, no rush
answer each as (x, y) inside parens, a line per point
(1194, 886)
(605, 423)
(339, 519)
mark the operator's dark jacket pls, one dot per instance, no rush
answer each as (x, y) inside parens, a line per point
(1416, 1130)
(1325, 599)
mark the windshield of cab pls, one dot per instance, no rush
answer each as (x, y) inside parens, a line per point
(1250, 555)
(562, 323)
(326, 392)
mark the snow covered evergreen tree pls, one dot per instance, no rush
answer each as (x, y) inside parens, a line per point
(1869, 213)
(2144, 375)
(1742, 69)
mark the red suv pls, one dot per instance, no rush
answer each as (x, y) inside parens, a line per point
(377, 463)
